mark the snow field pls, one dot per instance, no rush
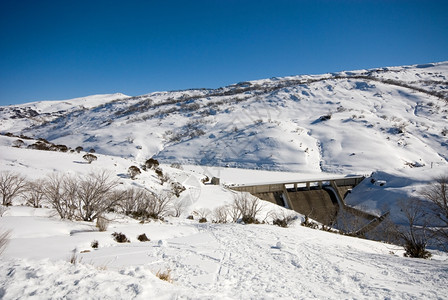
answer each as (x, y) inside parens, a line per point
(219, 261)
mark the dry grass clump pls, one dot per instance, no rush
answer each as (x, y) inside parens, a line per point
(165, 275)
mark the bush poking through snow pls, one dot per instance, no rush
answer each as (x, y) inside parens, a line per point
(102, 223)
(94, 244)
(89, 157)
(177, 166)
(143, 238)
(133, 171)
(151, 163)
(162, 176)
(283, 219)
(165, 275)
(416, 249)
(120, 237)
(247, 207)
(74, 258)
(220, 214)
(203, 220)
(177, 188)
(415, 234)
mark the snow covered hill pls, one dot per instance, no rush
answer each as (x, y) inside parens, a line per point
(347, 122)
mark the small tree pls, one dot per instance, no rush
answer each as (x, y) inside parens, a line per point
(133, 171)
(60, 192)
(90, 157)
(95, 195)
(11, 185)
(79, 149)
(34, 194)
(415, 234)
(437, 193)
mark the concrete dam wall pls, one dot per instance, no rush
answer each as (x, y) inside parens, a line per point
(318, 199)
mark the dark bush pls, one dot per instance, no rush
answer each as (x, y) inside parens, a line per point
(120, 237)
(39, 145)
(416, 250)
(177, 188)
(79, 149)
(203, 220)
(133, 171)
(249, 220)
(143, 238)
(89, 157)
(94, 244)
(62, 148)
(151, 163)
(325, 118)
(280, 222)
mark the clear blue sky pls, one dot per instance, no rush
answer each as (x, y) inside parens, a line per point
(65, 49)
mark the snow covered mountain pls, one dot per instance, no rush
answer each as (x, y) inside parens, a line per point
(346, 122)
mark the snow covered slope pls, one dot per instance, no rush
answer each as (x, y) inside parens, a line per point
(348, 122)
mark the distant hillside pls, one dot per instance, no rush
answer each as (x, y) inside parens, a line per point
(346, 122)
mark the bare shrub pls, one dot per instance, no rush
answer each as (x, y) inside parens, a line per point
(60, 192)
(153, 205)
(120, 237)
(165, 275)
(102, 223)
(83, 198)
(11, 185)
(89, 157)
(179, 207)
(415, 234)
(133, 171)
(95, 195)
(4, 240)
(248, 206)
(437, 193)
(202, 213)
(133, 200)
(34, 194)
(79, 149)
(143, 238)
(220, 214)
